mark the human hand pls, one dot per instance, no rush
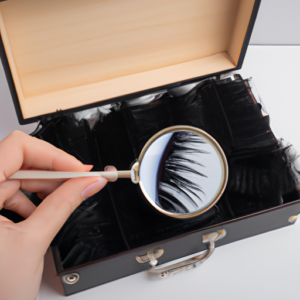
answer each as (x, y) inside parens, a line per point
(23, 245)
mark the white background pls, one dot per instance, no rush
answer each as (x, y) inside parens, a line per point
(277, 23)
(263, 267)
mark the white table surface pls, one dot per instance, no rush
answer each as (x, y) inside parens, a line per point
(262, 267)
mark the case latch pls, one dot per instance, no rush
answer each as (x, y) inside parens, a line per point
(150, 257)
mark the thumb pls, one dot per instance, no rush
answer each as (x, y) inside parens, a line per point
(52, 213)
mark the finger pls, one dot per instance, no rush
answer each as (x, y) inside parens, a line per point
(19, 149)
(7, 190)
(110, 169)
(20, 204)
(53, 212)
(12, 199)
(44, 187)
(3, 219)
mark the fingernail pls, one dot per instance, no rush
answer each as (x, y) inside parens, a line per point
(93, 188)
(109, 168)
(41, 196)
(88, 167)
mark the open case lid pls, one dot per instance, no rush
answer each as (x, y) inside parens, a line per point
(71, 55)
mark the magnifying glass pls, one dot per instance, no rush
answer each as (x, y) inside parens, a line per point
(182, 172)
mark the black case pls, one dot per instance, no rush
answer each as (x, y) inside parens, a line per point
(125, 263)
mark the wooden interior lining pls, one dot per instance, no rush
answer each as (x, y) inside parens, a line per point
(73, 97)
(240, 28)
(70, 53)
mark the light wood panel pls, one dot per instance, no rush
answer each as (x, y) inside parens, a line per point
(240, 29)
(68, 53)
(75, 97)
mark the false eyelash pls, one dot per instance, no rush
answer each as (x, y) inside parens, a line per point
(249, 128)
(263, 180)
(78, 215)
(71, 135)
(143, 121)
(172, 182)
(214, 117)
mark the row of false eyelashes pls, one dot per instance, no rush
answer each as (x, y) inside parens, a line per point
(186, 109)
(246, 127)
(175, 190)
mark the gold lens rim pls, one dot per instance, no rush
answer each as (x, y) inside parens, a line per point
(218, 149)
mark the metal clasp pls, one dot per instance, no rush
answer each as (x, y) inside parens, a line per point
(150, 257)
(293, 219)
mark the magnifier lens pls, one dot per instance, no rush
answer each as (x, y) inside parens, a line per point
(182, 173)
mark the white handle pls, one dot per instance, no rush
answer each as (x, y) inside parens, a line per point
(56, 175)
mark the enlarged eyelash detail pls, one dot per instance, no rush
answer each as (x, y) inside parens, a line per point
(177, 192)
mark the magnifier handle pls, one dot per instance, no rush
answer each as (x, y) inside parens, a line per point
(57, 175)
